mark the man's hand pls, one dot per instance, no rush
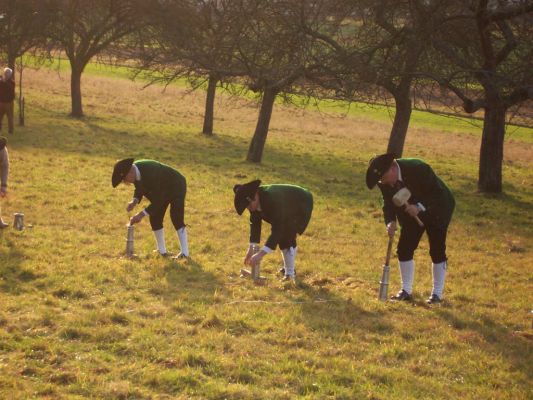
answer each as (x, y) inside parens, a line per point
(391, 228)
(412, 210)
(249, 255)
(137, 218)
(3, 191)
(131, 205)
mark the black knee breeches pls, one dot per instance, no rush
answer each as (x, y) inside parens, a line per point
(410, 235)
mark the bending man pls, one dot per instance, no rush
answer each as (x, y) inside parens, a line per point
(287, 208)
(162, 185)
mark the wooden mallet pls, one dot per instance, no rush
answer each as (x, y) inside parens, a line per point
(400, 200)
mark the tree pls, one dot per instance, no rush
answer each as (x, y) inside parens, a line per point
(22, 27)
(84, 29)
(375, 50)
(490, 44)
(22, 24)
(276, 55)
(194, 39)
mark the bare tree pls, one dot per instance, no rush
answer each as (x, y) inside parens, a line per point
(276, 55)
(84, 29)
(22, 27)
(375, 50)
(489, 43)
(194, 39)
(22, 24)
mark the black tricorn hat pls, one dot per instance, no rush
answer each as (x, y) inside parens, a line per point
(244, 194)
(377, 166)
(3, 142)
(120, 170)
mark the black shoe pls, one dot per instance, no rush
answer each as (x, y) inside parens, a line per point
(161, 254)
(281, 271)
(402, 295)
(180, 256)
(434, 299)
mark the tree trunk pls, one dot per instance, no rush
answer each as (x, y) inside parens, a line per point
(491, 152)
(75, 92)
(209, 106)
(255, 151)
(401, 122)
(11, 59)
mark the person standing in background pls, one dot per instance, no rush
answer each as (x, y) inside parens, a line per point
(7, 98)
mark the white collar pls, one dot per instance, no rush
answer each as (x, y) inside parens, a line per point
(399, 172)
(137, 173)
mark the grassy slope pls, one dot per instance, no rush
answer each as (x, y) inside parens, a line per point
(77, 320)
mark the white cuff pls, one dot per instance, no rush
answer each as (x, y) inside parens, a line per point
(145, 212)
(266, 249)
(421, 207)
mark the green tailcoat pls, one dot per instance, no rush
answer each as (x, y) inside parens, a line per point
(159, 183)
(287, 208)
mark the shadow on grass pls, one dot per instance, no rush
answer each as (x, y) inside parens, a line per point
(13, 276)
(321, 173)
(498, 339)
(331, 315)
(330, 177)
(187, 280)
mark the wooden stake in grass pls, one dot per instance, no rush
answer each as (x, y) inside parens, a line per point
(384, 283)
(254, 272)
(129, 241)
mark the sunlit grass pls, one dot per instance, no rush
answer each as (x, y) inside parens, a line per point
(376, 112)
(78, 320)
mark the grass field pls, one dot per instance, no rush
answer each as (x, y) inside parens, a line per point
(78, 320)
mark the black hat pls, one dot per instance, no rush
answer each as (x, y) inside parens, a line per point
(377, 166)
(3, 142)
(120, 170)
(244, 195)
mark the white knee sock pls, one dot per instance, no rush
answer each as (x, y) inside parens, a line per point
(439, 274)
(160, 240)
(289, 261)
(184, 244)
(407, 272)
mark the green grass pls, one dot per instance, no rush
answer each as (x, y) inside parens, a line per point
(382, 113)
(78, 320)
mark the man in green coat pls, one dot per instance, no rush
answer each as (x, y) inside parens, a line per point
(431, 201)
(287, 208)
(163, 186)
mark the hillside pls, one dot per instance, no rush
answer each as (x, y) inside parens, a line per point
(78, 320)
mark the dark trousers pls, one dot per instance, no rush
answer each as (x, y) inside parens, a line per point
(7, 109)
(410, 236)
(177, 214)
(288, 239)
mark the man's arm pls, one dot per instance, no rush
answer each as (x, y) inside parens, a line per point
(255, 227)
(389, 212)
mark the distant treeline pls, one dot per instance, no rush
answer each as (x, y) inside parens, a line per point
(475, 55)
